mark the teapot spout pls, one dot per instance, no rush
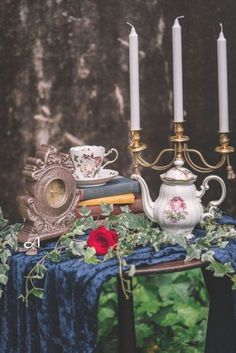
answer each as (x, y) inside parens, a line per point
(147, 203)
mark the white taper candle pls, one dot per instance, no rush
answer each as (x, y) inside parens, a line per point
(222, 82)
(134, 79)
(177, 71)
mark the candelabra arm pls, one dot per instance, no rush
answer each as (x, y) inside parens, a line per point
(153, 165)
(136, 146)
(207, 167)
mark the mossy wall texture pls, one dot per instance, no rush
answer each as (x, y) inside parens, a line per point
(64, 79)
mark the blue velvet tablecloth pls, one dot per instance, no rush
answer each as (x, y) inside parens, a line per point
(65, 320)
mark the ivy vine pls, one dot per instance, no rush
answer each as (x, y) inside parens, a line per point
(134, 231)
(8, 245)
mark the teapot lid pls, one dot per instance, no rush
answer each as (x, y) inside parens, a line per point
(178, 174)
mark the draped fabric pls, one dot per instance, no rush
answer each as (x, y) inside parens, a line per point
(65, 320)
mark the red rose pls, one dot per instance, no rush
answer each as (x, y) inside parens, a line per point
(102, 239)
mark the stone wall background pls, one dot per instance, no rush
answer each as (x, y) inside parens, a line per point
(64, 75)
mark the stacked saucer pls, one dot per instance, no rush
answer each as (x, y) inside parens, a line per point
(102, 178)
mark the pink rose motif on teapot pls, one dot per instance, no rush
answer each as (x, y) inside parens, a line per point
(176, 210)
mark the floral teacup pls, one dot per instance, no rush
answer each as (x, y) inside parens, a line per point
(88, 160)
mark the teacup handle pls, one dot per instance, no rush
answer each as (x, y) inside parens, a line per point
(204, 187)
(107, 154)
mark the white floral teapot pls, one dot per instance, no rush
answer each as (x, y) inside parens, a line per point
(178, 207)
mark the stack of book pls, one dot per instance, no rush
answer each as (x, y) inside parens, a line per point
(119, 192)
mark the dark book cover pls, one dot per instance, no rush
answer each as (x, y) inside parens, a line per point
(116, 186)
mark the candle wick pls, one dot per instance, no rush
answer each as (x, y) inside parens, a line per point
(221, 27)
(130, 25)
(179, 17)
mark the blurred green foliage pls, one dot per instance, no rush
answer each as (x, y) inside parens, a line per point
(170, 314)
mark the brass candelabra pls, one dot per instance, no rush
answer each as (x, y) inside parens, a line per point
(180, 151)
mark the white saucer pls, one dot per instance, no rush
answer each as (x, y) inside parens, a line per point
(103, 177)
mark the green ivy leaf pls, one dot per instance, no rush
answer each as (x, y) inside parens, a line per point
(233, 278)
(219, 269)
(90, 255)
(78, 230)
(54, 256)
(125, 209)
(193, 253)
(3, 279)
(4, 255)
(208, 256)
(3, 222)
(84, 211)
(37, 292)
(79, 222)
(110, 254)
(181, 240)
(41, 270)
(132, 221)
(65, 240)
(89, 223)
(4, 268)
(203, 243)
(106, 209)
(222, 244)
(132, 271)
(77, 247)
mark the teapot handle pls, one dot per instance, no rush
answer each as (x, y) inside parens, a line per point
(204, 187)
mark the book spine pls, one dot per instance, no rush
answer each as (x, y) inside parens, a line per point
(110, 190)
(96, 211)
(117, 199)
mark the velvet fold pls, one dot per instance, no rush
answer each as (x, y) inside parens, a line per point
(65, 320)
